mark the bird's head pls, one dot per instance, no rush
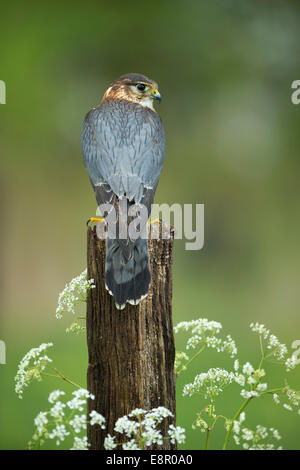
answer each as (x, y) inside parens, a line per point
(134, 87)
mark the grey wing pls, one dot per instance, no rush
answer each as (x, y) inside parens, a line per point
(95, 160)
(123, 153)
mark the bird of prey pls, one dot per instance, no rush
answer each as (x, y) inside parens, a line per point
(123, 145)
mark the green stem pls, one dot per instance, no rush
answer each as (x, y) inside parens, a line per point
(262, 352)
(191, 360)
(61, 376)
(234, 419)
(210, 422)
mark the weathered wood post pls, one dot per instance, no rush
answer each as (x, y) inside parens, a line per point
(131, 352)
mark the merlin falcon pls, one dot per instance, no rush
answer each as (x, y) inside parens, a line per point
(123, 145)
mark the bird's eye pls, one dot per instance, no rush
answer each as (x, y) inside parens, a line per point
(141, 86)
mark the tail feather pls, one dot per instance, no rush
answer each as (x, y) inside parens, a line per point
(127, 279)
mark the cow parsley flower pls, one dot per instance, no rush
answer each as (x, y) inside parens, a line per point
(79, 400)
(80, 443)
(152, 436)
(127, 426)
(205, 333)
(142, 429)
(130, 445)
(258, 439)
(40, 422)
(65, 418)
(109, 442)
(249, 393)
(209, 383)
(60, 433)
(290, 363)
(78, 423)
(74, 293)
(260, 329)
(31, 367)
(57, 411)
(55, 395)
(276, 398)
(278, 350)
(137, 412)
(177, 434)
(97, 418)
(247, 368)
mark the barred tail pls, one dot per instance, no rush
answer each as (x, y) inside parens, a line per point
(127, 277)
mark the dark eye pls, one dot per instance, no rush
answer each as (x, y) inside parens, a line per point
(141, 86)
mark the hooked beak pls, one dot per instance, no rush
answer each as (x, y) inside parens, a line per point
(156, 95)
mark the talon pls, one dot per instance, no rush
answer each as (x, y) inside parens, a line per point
(94, 219)
(159, 221)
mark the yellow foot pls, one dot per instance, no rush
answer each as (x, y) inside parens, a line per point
(94, 219)
(159, 221)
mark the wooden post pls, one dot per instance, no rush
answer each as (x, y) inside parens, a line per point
(131, 351)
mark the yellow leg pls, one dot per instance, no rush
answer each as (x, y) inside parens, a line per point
(94, 219)
(159, 221)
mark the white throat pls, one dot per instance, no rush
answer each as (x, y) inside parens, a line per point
(147, 102)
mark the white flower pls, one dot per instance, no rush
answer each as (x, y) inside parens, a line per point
(247, 368)
(31, 367)
(287, 407)
(236, 365)
(279, 350)
(97, 418)
(290, 363)
(78, 423)
(57, 411)
(142, 429)
(239, 379)
(152, 436)
(137, 412)
(276, 398)
(127, 426)
(55, 395)
(199, 326)
(79, 400)
(260, 329)
(205, 332)
(209, 383)
(177, 434)
(109, 442)
(236, 427)
(130, 445)
(249, 394)
(275, 433)
(261, 387)
(160, 413)
(293, 396)
(247, 434)
(80, 443)
(40, 421)
(59, 432)
(74, 293)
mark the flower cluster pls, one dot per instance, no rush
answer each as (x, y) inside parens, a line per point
(140, 430)
(31, 367)
(259, 439)
(65, 418)
(276, 349)
(251, 380)
(205, 333)
(73, 294)
(209, 383)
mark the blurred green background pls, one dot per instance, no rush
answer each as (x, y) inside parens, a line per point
(225, 71)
